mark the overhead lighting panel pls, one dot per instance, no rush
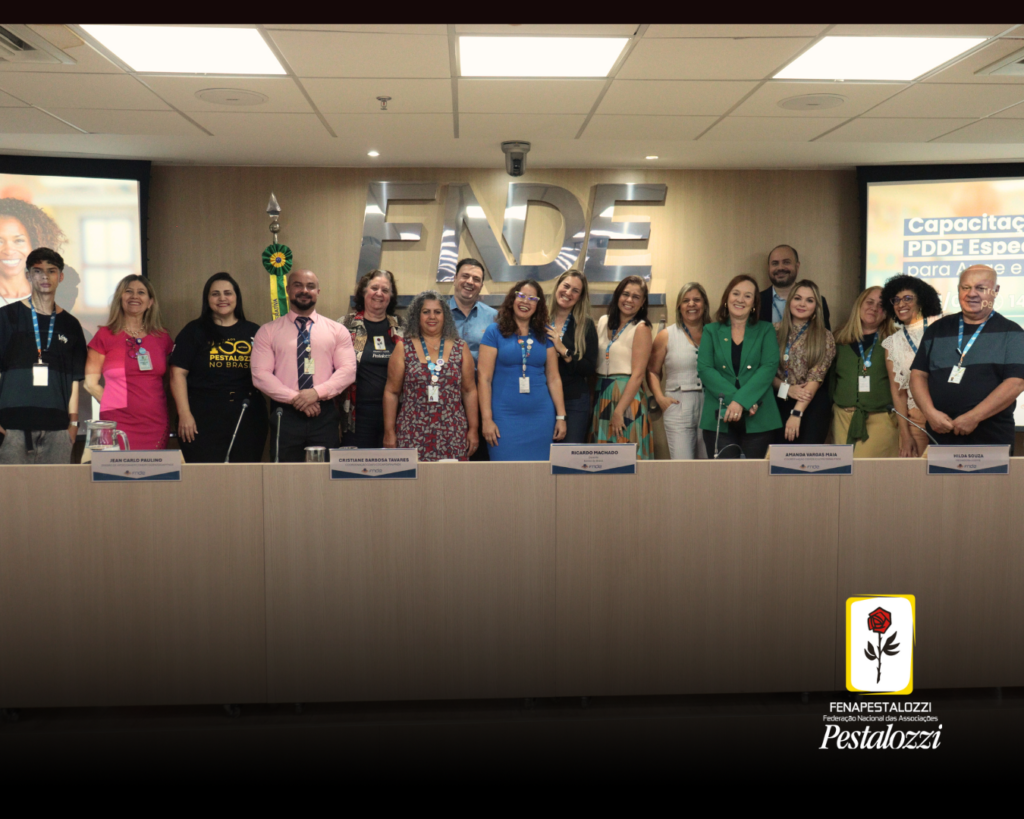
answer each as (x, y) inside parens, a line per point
(875, 58)
(188, 49)
(539, 56)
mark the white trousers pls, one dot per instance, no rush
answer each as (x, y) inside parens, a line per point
(682, 425)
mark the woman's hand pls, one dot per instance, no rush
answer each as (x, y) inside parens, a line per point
(560, 348)
(618, 424)
(491, 433)
(187, 428)
(908, 446)
(72, 433)
(792, 428)
(733, 412)
(472, 442)
(799, 392)
(560, 430)
(665, 402)
(390, 439)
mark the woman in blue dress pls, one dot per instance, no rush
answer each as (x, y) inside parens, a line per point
(518, 382)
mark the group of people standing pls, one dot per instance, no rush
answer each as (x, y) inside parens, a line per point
(460, 380)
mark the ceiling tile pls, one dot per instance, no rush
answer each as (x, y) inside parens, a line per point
(7, 101)
(740, 30)
(1016, 112)
(82, 91)
(484, 96)
(343, 54)
(283, 94)
(438, 29)
(709, 59)
(354, 96)
(31, 121)
(543, 29)
(770, 129)
(263, 128)
(528, 127)
(643, 128)
(375, 130)
(156, 123)
(918, 29)
(859, 97)
(893, 130)
(964, 70)
(989, 131)
(87, 60)
(674, 97)
(944, 100)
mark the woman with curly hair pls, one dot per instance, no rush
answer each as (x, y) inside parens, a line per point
(911, 303)
(519, 385)
(23, 228)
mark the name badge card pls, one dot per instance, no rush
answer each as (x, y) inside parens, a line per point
(593, 459)
(40, 375)
(803, 459)
(968, 460)
(373, 463)
(136, 465)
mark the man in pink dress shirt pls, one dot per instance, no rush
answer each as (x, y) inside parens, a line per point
(302, 361)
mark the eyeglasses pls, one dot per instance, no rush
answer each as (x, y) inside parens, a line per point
(632, 297)
(981, 289)
(897, 300)
(525, 297)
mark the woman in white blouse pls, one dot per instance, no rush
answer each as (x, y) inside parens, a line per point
(913, 304)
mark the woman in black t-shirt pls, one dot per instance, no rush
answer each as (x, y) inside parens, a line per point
(211, 378)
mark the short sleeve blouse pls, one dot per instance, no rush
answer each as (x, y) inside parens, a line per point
(799, 372)
(901, 354)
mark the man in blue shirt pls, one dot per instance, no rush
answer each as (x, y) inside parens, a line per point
(472, 316)
(783, 270)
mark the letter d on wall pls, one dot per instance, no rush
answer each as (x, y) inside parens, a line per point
(603, 230)
(376, 230)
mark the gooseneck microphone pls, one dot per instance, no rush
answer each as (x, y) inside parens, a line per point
(718, 424)
(277, 447)
(245, 406)
(912, 423)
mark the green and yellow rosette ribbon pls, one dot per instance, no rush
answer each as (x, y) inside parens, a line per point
(277, 261)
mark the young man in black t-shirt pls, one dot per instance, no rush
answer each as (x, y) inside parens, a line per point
(42, 361)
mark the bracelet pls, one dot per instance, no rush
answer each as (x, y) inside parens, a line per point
(559, 417)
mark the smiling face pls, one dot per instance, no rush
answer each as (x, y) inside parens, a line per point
(14, 246)
(783, 267)
(977, 290)
(377, 295)
(303, 290)
(431, 317)
(630, 301)
(741, 300)
(135, 300)
(568, 293)
(44, 278)
(905, 306)
(691, 307)
(222, 299)
(468, 283)
(871, 313)
(803, 305)
(526, 301)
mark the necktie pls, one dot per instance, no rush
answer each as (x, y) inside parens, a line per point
(304, 353)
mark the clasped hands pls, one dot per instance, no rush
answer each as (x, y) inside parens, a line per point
(307, 401)
(735, 411)
(961, 425)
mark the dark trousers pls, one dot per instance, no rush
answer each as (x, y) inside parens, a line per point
(816, 421)
(369, 431)
(735, 439)
(577, 419)
(481, 453)
(298, 431)
(217, 414)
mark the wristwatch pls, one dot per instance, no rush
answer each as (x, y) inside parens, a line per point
(796, 413)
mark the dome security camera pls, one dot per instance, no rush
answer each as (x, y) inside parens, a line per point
(515, 157)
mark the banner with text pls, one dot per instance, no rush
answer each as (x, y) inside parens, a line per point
(593, 459)
(801, 459)
(968, 460)
(373, 463)
(136, 465)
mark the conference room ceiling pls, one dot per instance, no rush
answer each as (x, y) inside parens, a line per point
(695, 96)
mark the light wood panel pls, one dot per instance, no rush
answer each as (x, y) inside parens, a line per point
(441, 587)
(124, 594)
(695, 577)
(954, 543)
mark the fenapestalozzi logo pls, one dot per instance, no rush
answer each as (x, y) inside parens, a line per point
(880, 636)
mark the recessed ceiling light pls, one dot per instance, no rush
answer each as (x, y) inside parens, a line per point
(875, 58)
(373, 153)
(812, 102)
(651, 157)
(188, 49)
(539, 56)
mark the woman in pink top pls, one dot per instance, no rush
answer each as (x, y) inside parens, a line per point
(131, 353)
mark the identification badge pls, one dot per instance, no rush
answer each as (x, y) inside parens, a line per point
(524, 383)
(957, 374)
(864, 383)
(145, 362)
(433, 393)
(783, 391)
(40, 375)
(378, 343)
(307, 367)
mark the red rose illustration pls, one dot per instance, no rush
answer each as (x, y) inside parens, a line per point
(879, 621)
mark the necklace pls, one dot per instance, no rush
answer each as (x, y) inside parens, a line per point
(135, 333)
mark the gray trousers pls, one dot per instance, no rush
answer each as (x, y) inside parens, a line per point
(48, 447)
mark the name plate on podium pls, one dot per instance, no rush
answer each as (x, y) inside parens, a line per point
(802, 459)
(968, 460)
(136, 465)
(373, 463)
(593, 459)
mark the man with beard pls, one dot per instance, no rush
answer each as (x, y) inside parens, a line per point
(783, 270)
(302, 361)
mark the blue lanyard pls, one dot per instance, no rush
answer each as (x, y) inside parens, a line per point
(434, 369)
(789, 345)
(565, 327)
(871, 350)
(960, 339)
(525, 346)
(53, 321)
(608, 350)
(910, 341)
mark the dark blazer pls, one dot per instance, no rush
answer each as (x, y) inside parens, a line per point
(765, 313)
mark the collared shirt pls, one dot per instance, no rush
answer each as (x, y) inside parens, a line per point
(778, 307)
(275, 369)
(473, 326)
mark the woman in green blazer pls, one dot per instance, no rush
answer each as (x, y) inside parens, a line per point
(736, 363)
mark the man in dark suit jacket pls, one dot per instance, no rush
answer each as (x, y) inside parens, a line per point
(783, 270)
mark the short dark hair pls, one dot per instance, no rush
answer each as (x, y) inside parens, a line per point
(927, 297)
(538, 322)
(796, 256)
(722, 316)
(360, 296)
(469, 263)
(613, 308)
(44, 254)
(206, 314)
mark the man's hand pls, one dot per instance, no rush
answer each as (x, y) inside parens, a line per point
(940, 422)
(306, 398)
(964, 424)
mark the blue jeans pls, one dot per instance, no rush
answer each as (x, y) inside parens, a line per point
(577, 419)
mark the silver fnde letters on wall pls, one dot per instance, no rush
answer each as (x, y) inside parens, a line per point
(376, 230)
(603, 230)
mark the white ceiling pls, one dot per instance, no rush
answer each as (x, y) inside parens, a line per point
(697, 96)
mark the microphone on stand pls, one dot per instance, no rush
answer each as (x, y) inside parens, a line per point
(904, 417)
(245, 406)
(718, 424)
(277, 448)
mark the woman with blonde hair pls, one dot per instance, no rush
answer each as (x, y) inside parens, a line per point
(574, 336)
(131, 353)
(806, 351)
(859, 382)
(681, 397)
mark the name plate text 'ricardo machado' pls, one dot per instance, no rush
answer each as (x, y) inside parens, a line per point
(373, 463)
(593, 459)
(800, 459)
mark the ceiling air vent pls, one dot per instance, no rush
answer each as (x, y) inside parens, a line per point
(1012, 65)
(20, 44)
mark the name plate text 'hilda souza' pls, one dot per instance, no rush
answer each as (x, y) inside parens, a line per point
(593, 459)
(373, 463)
(968, 460)
(800, 459)
(136, 465)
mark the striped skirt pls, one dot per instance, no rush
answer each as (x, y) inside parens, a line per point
(637, 428)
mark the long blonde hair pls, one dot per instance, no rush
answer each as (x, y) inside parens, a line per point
(814, 335)
(853, 330)
(686, 288)
(151, 321)
(580, 311)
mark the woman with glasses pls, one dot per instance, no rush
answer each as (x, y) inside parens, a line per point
(913, 304)
(574, 337)
(624, 349)
(518, 383)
